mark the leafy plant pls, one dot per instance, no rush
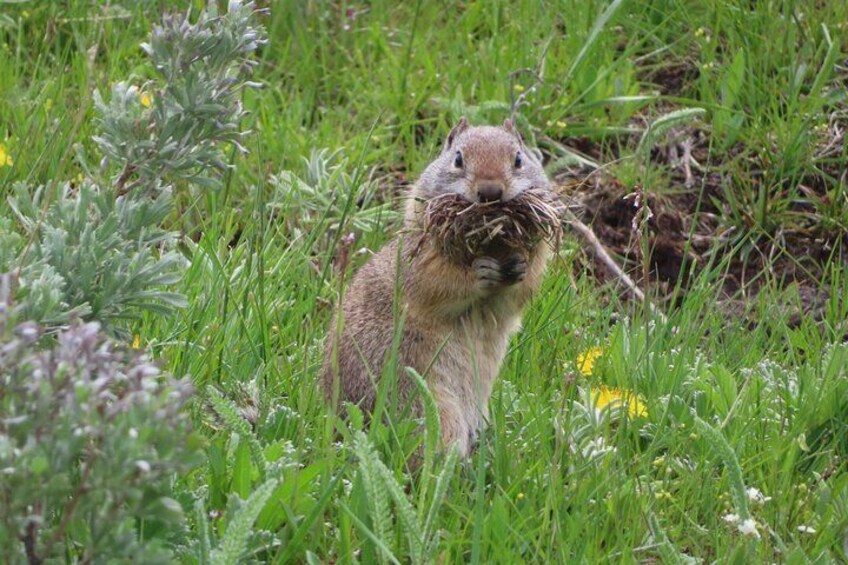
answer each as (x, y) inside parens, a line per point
(98, 257)
(239, 529)
(91, 435)
(173, 129)
(380, 486)
(332, 195)
(229, 413)
(98, 250)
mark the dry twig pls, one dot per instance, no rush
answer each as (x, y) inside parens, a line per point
(603, 255)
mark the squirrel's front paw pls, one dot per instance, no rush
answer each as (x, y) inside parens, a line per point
(514, 269)
(492, 273)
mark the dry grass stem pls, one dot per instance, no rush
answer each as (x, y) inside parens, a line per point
(466, 229)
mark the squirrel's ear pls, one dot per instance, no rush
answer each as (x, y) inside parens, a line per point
(509, 126)
(457, 129)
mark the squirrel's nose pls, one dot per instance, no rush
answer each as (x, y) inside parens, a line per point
(489, 191)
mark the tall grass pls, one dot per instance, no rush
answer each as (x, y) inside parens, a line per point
(730, 404)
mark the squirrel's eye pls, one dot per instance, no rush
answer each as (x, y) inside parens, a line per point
(518, 160)
(457, 161)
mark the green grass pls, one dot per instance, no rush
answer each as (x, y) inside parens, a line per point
(551, 482)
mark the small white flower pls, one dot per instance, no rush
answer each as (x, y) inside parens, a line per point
(731, 518)
(143, 466)
(133, 433)
(749, 528)
(755, 496)
(806, 529)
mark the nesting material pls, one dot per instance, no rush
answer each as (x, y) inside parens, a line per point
(465, 230)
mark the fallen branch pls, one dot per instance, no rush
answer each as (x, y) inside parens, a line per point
(603, 255)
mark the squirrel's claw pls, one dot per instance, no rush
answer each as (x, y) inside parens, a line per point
(514, 269)
(492, 273)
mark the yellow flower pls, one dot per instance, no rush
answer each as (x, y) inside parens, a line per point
(136, 342)
(146, 100)
(613, 396)
(518, 88)
(561, 125)
(5, 159)
(586, 360)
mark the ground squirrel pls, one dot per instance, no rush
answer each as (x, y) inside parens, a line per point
(459, 313)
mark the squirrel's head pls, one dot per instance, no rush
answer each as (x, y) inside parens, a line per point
(480, 164)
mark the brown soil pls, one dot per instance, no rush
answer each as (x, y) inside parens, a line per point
(672, 79)
(664, 237)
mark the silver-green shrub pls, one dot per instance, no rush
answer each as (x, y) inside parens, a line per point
(97, 250)
(97, 256)
(173, 128)
(91, 435)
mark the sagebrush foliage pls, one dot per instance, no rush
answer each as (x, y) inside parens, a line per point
(173, 129)
(91, 435)
(97, 249)
(333, 194)
(98, 257)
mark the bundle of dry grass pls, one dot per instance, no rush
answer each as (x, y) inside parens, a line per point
(469, 229)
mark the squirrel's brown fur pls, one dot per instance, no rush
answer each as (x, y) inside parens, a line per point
(458, 317)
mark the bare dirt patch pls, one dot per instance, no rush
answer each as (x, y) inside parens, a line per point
(665, 239)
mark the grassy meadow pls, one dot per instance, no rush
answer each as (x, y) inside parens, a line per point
(716, 431)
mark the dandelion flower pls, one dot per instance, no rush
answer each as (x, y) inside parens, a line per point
(749, 528)
(613, 396)
(146, 100)
(5, 159)
(586, 360)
